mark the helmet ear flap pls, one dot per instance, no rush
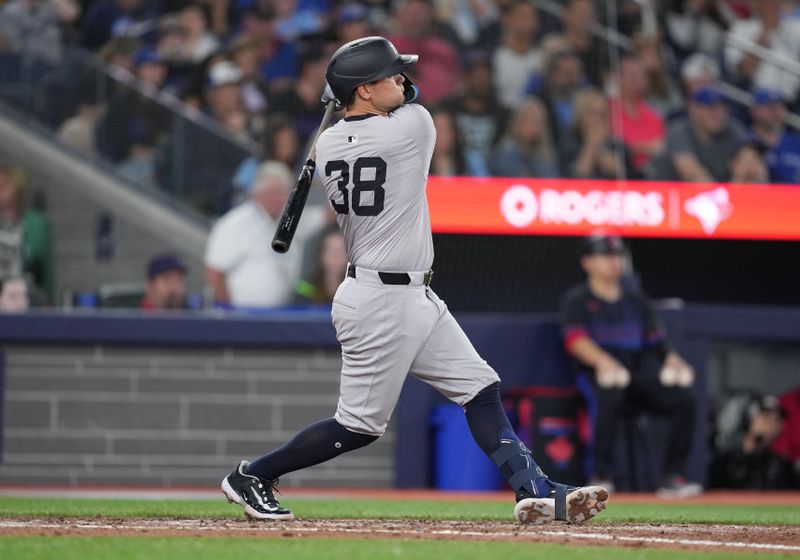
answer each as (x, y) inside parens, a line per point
(410, 89)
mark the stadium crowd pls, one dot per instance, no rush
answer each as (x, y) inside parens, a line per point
(515, 90)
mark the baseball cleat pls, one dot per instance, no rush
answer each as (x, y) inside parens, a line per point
(574, 505)
(254, 495)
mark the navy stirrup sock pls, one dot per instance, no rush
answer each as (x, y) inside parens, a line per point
(315, 444)
(493, 433)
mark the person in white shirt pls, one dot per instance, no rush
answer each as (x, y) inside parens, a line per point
(241, 267)
(781, 36)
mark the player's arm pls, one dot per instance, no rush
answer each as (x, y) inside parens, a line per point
(579, 344)
(606, 367)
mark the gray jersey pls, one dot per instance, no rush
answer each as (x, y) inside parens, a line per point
(375, 170)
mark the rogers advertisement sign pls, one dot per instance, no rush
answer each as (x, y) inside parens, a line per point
(633, 209)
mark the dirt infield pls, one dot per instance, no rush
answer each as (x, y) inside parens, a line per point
(673, 536)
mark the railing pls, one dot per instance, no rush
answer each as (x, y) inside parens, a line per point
(614, 38)
(179, 149)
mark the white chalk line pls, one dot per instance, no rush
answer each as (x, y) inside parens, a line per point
(172, 524)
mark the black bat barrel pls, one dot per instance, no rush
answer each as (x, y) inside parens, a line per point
(294, 209)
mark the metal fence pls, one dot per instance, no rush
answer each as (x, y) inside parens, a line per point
(148, 136)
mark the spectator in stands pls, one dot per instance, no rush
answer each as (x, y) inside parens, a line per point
(33, 27)
(120, 52)
(330, 268)
(223, 97)
(13, 295)
(788, 442)
(661, 93)
(301, 101)
(352, 22)
(699, 71)
(278, 59)
(621, 351)
(697, 26)
(589, 150)
(166, 284)
(417, 31)
(198, 42)
(448, 154)
(526, 150)
(280, 143)
(768, 114)
(25, 245)
(140, 166)
(753, 462)
(469, 18)
(635, 122)
(78, 131)
(131, 114)
(518, 57)
(563, 80)
(244, 53)
(748, 165)
(106, 19)
(479, 117)
(578, 19)
(241, 267)
(767, 30)
(700, 147)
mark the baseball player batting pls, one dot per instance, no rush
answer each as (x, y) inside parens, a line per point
(389, 322)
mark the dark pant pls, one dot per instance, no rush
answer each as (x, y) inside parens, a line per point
(646, 394)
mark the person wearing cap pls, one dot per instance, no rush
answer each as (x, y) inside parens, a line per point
(130, 114)
(224, 97)
(781, 144)
(166, 283)
(755, 462)
(352, 22)
(624, 360)
(701, 145)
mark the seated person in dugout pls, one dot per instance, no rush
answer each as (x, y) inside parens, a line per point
(621, 349)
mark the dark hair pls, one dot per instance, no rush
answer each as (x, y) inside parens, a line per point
(273, 124)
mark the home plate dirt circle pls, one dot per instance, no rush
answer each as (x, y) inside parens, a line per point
(748, 538)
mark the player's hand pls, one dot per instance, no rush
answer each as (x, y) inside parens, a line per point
(328, 96)
(676, 372)
(610, 373)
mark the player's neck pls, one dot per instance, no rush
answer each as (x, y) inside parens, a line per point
(605, 290)
(361, 108)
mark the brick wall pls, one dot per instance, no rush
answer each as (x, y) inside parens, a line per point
(111, 415)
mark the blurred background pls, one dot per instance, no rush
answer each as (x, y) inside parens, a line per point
(148, 334)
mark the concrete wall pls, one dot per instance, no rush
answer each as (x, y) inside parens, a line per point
(109, 415)
(76, 193)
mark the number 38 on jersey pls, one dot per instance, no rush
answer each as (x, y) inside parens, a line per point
(368, 175)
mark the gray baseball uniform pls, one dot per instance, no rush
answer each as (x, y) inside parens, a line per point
(375, 170)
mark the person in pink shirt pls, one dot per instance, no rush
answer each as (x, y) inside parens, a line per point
(416, 30)
(639, 126)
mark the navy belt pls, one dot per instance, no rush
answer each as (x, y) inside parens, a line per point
(393, 278)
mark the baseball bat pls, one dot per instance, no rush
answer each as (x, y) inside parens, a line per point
(287, 226)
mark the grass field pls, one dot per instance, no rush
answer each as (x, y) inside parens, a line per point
(63, 545)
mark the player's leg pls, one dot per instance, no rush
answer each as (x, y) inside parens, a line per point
(677, 406)
(251, 484)
(605, 422)
(450, 363)
(377, 351)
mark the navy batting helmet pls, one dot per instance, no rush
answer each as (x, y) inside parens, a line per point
(367, 60)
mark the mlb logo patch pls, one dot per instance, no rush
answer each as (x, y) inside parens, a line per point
(352, 139)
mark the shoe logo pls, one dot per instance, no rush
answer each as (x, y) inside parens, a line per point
(711, 208)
